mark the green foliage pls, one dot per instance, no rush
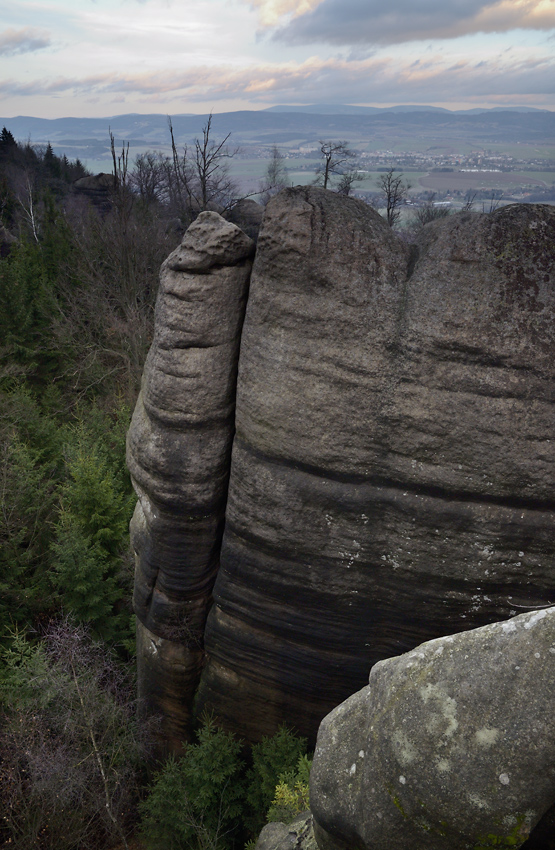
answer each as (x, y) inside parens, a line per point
(26, 505)
(91, 534)
(197, 801)
(27, 303)
(65, 505)
(291, 793)
(271, 758)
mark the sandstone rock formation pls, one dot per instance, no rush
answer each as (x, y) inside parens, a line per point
(179, 448)
(393, 466)
(449, 747)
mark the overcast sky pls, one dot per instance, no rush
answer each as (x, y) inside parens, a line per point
(106, 57)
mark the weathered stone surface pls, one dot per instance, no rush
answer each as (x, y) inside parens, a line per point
(393, 468)
(450, 747)
(298, 835)
(179, 447)
(209, 242)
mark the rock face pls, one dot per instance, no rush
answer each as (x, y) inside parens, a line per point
(393, 468)
(179, 447)
(449, 747)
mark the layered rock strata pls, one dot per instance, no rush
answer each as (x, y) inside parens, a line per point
(393, 468)
(449, 747)
(179, 447)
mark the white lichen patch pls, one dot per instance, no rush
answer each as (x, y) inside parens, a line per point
(504, 778)
(535, 618)
(443, 766)
(352, 769)
(486, 737)
(361, 754)
(508, 628)
(405, 751)
(402, 780)
(447, 708)
(477, 801)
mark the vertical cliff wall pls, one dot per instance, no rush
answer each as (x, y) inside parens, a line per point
(179, 448)
(392, 471)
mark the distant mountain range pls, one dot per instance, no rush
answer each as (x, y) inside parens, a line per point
(347, 109)
(290, 126)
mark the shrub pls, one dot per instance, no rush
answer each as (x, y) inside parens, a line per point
(70, 748)
(291, 793)
(271, 758)
(196, 801)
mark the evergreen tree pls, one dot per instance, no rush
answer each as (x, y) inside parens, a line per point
(196, 802)
(271, 758)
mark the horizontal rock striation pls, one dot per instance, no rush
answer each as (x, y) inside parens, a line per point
(393, 467)
(449, 747)
(179, 447)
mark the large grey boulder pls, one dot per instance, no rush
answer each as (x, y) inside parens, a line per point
(393, 469)
(179, 447)
(449, 747)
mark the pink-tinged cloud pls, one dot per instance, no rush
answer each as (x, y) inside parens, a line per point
(27, 40)
(374, 80)
(349, 22)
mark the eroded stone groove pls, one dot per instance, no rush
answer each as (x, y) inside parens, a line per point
(393, 474)
(179, 449)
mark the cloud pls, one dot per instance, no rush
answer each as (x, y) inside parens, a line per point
(345, 22)
(435, 78)
(271, 12)
(26, 40)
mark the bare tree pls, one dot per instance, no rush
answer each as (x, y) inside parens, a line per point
(26, 196)
(347, 180)
(71, 748)
(201, 181)
(212, 172)
(468, 205)
(276, 176)
(147, 177)
(394, 191)
(334, 155)
(492, 203)
(430, 211)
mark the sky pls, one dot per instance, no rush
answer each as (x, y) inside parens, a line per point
(98, 58)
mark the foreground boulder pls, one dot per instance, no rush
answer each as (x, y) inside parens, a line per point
(179, 447)
(449, 747)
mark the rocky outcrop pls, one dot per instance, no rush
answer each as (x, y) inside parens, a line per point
(298, 835)
(179, 447)
(98, 189)
(393, 468)
(449, 747)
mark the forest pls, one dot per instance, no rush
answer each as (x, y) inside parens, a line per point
(79, 267)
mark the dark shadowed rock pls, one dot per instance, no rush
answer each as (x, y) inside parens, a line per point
(393, 468)
(247, 215)
(449, 747)
(97, 188)
(179, 448)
